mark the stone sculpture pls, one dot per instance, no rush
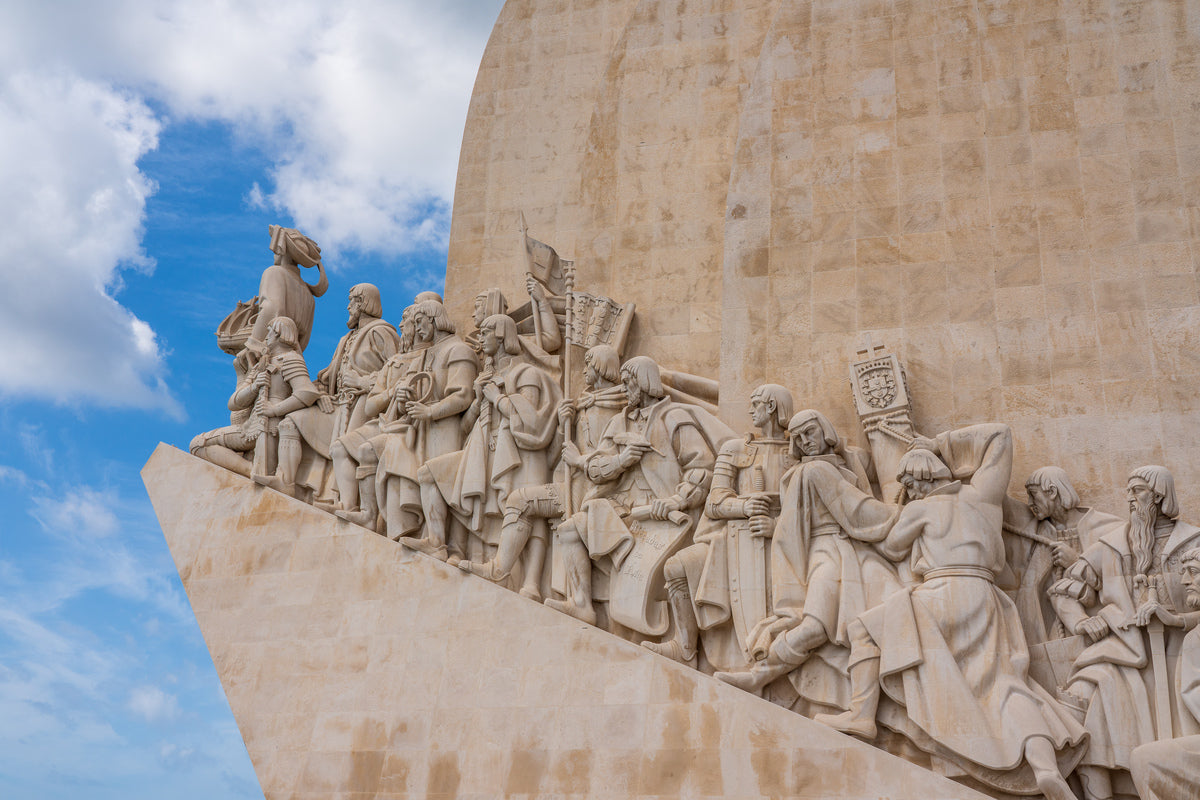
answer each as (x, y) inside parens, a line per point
(1170, 769)
(949, 652)
(1055, 516)
(513, 423)
(824, 569)
(281, 385)
(781, 563)
(526, 509)
(232, 446)
(432, 391)
(355, 454)
(719, 589)
(307, 434)
(1126, 596)
(282, 290)
(651, 475)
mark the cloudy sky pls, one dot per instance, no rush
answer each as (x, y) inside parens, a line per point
(145, 145)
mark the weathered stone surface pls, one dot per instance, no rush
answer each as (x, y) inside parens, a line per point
(357, 669)
(1005, 192)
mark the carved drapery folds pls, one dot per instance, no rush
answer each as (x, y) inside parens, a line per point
(896, 592)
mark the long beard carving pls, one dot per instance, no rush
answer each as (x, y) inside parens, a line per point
(1141, 536)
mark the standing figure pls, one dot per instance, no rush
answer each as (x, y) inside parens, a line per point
(718, 589)
(949, 652)
(345, 383)
(649, 479)
(432, 394)
(1170, 769)
(282, 290)
(354, 454)
(1124, 594)
(527, 509)
(512, 424)
(825, 570)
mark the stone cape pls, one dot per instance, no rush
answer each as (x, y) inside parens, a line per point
(354, 666)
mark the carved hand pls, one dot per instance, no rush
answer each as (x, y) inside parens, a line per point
(491, 392)
(261, 379)
(762, 526)
(571, 455)
(1065, 555)
(419, 411)
(325, 403)
(273, 409)
(632, 452)
(661, 508)
(923, 443)
(566, 412)
(1095, 628)
(1149, 611)
(536, 292)
(757, 505)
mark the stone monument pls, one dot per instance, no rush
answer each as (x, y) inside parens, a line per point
(890, 594)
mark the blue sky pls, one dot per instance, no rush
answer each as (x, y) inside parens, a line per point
(144, 150)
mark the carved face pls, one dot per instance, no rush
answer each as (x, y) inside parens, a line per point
(490, 342)
(590, 375)
(1190, 578)
(916, 489)
(1140, 496)
(354, 308)
(810, 439)
(1043, 502)
(480, 310)
(761, 411)
(424, 327)
(633, 392)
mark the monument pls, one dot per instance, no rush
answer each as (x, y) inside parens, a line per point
(891, 594)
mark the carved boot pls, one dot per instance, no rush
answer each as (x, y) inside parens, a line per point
(487, 569)
(864, 702)
(579, 577)
(277, 483)
(426, 546)
(757, 677)
(683, 647)
(367, 515)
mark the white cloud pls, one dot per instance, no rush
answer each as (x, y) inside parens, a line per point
(153, 704)
(72, 210)
(360, 106)
(81, 512)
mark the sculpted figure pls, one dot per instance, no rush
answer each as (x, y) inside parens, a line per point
(825, 572)
(1054, 514)
(1125, 595)
(431, 392)
(527, 508)
(548, 338)
(344, 384)
(512, 424)
(718, 589)
(949, 652)
(231, 446)
(650, 477)
(1170, 769)
(355, 455)
(281, 385)
(282, 291)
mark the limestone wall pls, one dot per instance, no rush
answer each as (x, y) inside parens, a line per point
(357, 669)
(1007, 193)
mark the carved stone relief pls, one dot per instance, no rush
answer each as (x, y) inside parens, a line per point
(894, 592)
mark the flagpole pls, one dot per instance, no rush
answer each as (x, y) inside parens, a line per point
(567, 501)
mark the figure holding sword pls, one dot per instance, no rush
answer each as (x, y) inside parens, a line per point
(719, 588)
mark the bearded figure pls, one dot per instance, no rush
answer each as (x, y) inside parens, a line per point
(1126, 596)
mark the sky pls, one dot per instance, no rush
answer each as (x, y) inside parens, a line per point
(145, 146)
